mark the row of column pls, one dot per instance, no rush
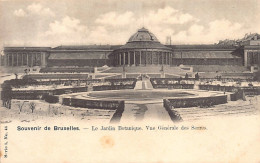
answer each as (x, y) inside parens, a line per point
(143, 58)
(25, 59)
(251, 57)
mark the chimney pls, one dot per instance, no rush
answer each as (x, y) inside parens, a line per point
(255, 37)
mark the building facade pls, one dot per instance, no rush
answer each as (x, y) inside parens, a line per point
(25, 56)
(142, 49)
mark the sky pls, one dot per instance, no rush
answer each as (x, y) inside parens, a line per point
(86, 22)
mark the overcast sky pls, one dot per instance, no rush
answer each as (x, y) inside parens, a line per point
(77, 22)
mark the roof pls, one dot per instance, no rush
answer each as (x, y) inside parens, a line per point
(26, 48)
(205, 55)
(143, 39)
(86, 47)
(144, 45)
(79, 55)
(143, 35)
(202, 47)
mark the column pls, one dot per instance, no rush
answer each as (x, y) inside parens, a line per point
(123, 58)
(170, 58)
(158, 57)
(27, 59)
(31, 59)
(17, 59)
(145, 57)
(258, 58)
(245, 58)
(7, 57)
(43, 62)
(128, 54)
(119, 58)
(140, 52)
(40, 56)
(152, 57)
(22, 59)
(12, 59)
(134, 58)
(116, 59)
(167, 58)
(162, 58)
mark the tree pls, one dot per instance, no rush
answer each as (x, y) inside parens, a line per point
(197, 76)
(6, 94)
(186, 76)
(16, 76)
(32, 106)
(257, 75)
(20, 106)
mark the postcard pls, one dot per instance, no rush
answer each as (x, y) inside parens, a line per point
(129, 81)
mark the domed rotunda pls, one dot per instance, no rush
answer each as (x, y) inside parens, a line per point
(142, 48)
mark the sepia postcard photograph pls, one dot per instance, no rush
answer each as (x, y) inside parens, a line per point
(129, 81)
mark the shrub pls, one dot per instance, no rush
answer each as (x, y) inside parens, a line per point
(50, 98)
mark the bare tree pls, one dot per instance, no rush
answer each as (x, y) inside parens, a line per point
(20, 106)
(32, 106)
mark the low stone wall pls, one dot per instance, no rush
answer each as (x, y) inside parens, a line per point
(98, 104)
(198, 101)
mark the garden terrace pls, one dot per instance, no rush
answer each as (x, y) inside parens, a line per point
(219, 68)
(33, 92)
(171, 81)
(147, 69)
(114, 77)
(67, 70)
(56, 76)
(238, 75)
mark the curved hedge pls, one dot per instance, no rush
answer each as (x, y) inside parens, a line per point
(198, 102)
(99, 104)
(50, 98)
(174, 86)
(175, 116)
